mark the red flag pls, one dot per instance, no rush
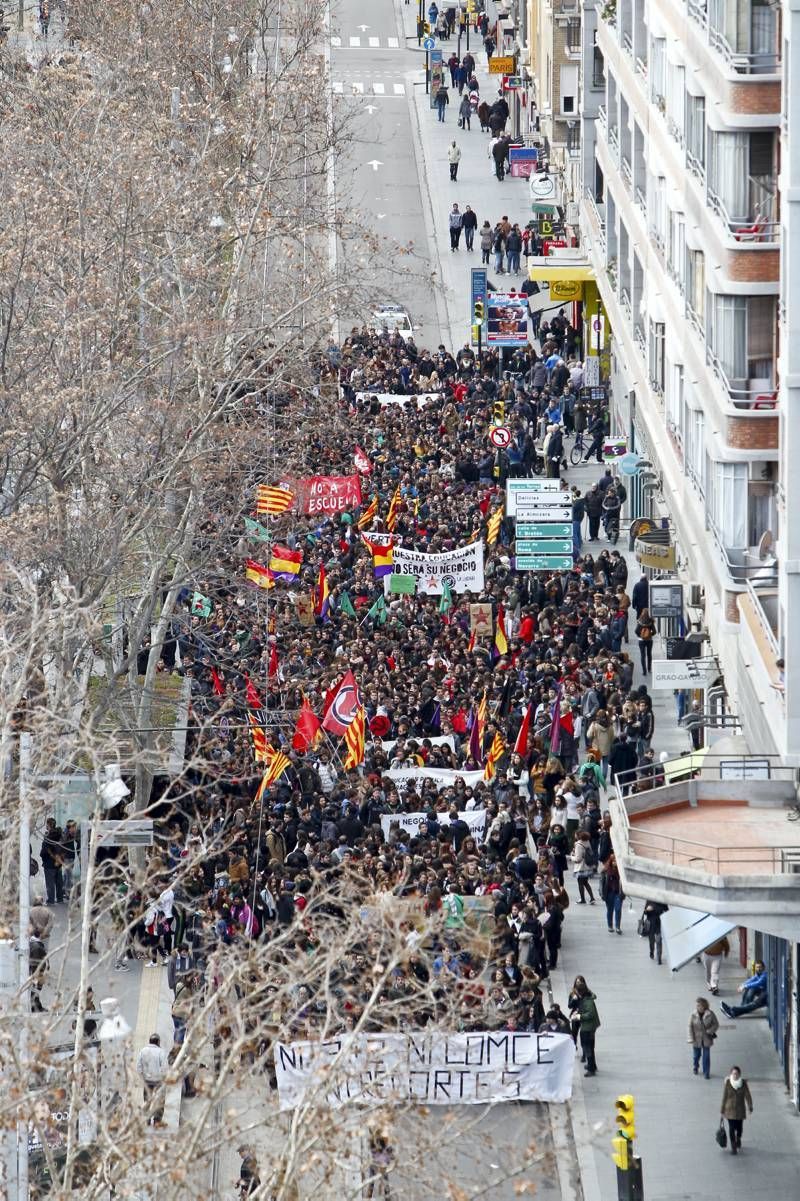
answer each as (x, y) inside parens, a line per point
(484, 505)
(272, 670)
(329, 695)
(362, 461)
(521, 745)
(219, 687)
(308, 731)
(343, 707)
(471, 646)
(251, 693)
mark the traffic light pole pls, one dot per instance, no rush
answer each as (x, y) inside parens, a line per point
(427, 74)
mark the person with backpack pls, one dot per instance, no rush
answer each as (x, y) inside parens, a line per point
(584, 862)
(645, 632)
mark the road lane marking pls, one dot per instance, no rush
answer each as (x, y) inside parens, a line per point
(355, 41)
(378, 89)
(399, 89)
(374, 41)
(393, 44)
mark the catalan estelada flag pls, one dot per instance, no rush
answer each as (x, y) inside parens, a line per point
(277, 766)
(394, 509)
(382, 557)
(493, 527)
(321, 592)
(500, 639)
(257, 574)
(496, 752)
(273, 499)
(354, 739)
(262, 751)
(370, 513)
(284, 564)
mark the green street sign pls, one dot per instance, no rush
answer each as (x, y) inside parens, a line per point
(544, 546)
(543, 529)
(544, 562)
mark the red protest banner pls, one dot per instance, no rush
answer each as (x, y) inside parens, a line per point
(323, 495)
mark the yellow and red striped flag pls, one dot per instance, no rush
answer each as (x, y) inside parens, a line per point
(273, 499)
(370, 513)
(496, 752)
(394, 509)
(257, 574)
(493, 527)
(354, 739)
(262, 751)
(275, 770)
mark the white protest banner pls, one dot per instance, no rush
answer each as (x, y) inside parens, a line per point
(427, 1069)
(395, 398)
(442, 777)
(438, 740)
(475, 819)
(461, 568)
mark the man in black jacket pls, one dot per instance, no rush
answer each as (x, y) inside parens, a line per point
(469, 223)
(640, 597)
(51, 857)
(594, 510)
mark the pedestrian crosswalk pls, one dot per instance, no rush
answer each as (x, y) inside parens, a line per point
(359, 42)
(357, 87)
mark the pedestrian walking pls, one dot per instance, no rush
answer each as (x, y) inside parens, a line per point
(249, 1179)
(488, 45)
(465, 113)
(736, 1101)
(452, 64)
(589, 1025)
(497, 247)
(455, 221)
(483, 116)
(712, 961)
(151, 1065)
(513, 249)
(693, 722)
(469, 223)
(442, 100)
(453, 158)
(612, 893)
(37, 958)
(645, 632)
(703, 1027)
(487, 241)
(652, 915)
(51, 856)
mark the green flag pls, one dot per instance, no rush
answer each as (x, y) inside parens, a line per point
(447, 597)
(399, 583)
(256, 530)
(201, 605)
(379, 611)
(346, 605)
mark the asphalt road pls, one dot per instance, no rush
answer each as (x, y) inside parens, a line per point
(373, 70)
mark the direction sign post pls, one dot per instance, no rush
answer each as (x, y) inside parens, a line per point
(544, 562)
(544, 546)
(547, 513)
(544, 529)
(429, 43)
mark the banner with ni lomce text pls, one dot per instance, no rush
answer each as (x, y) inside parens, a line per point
(426, 1069)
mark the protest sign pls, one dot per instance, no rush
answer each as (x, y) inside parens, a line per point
(438, 740)
(395, 398)
(475, 819)
(321, 495)
(462, 568)
(304, 606)
(442, 777)
(427, 1068)
(480, 620)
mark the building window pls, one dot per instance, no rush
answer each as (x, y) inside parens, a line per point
(598, 68)
(674, 404)
(656, 356)
(696, 287)
(696, 135)
(726, 503)
(573, 35)
(568, 84)
(676, 102)
(658, 73)
(676, 249)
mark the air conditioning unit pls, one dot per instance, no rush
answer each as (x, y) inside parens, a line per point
(696, 595)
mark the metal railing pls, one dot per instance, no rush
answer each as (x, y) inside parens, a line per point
(743, 397)
(738, 564)
(602, 117)
(613, 139)
(627, 44)
(762, 225)
(627, 172)
(640, 199)
(697, 168)
(625, 302)
(695, 319)
(761, 616)
(640, 340)
(641, 69)
(757, 63)
(719, 861)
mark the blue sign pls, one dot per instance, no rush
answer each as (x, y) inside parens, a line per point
(629, 463)
(429, 43)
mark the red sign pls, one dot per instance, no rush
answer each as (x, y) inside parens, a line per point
(553, 242)
(325, 495)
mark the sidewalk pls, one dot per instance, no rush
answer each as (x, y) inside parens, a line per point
(476, 185)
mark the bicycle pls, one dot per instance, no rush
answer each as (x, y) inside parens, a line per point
(579, 448)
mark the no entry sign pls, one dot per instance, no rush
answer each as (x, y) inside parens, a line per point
(500, 436)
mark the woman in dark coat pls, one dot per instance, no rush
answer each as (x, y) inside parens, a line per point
(736, 1100)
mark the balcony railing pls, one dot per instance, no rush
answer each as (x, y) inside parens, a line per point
(641, 201)
(745, 394)
(613, 140)
(602, 119)
(640, 340)
(696, 319)
(757, 63)
(697, 168)
(627, 173)
(762, 226)
(627, 44)
(598, 211)
(625, 301)
(740, 564)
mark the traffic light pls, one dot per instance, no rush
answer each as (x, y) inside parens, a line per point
(625, 1117)
(498, 412)
(426, 27)
(478, 312)
(620, 1153)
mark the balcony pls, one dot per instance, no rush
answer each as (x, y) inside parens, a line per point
(641, 201)
(627, 173)
(625, 303)
(613, 141)
(762, 225)
(758, 28)
(756, 395)
(714, 836)
(602, 120)
(696, 167)
(597, 210)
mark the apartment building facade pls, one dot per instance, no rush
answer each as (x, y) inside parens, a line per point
(687, 212)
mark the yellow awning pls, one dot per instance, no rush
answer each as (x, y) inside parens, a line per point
(540, 271)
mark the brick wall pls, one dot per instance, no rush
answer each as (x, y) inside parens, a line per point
(762, 266)
(731, 607)
(753, 433)
(754, 97)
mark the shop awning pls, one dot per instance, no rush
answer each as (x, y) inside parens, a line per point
(687, 933)
(552, 271)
